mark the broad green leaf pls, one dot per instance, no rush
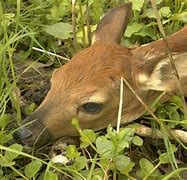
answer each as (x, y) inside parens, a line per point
(146, 31)
(132, 29)
(164, 11)
(145, 168)
(126, 134)
(59, 30)
(137, 140)
(79, 163)
(72, 152)
(50, 175)
(164, 158)
(4, 120)
(9, 155)
(128, 169)
(150, 13)
(181, 17)
(87, 137)
(120, 146)
(146, 165)
(105, 147)
(5, 163)
(141, 173)
(97, 174)
(120, 140)
(122, 162)
(32, 168)
(105, 163)
(137, 4)
(111, 132)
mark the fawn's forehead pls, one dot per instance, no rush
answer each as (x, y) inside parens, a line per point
(99, 58)
(97, 66)
(101, 51)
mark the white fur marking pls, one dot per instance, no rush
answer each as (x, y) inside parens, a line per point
(99, 97)
(154, 81)
(142, 78)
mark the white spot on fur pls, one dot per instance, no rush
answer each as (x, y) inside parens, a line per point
(154, 80)
(142, 78)
(93, 39)
(97, 98)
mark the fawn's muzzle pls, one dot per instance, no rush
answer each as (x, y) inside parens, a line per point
(33, 132)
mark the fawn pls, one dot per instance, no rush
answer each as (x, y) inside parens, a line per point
(87, 87)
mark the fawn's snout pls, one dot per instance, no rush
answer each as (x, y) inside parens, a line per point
(32, 132)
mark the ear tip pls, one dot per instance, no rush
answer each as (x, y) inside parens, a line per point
(125, 8)
(127, 5)
(112, 26)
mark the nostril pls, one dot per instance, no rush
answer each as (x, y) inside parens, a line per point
(22, 134)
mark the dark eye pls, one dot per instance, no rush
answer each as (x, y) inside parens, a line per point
(92, 107)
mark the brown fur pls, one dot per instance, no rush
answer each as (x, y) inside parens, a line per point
(94, 75)
(176, 42)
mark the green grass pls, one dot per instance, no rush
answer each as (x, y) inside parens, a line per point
(28, 24)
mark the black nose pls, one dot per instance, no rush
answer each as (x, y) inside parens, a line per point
(34, 133)
(22, 134)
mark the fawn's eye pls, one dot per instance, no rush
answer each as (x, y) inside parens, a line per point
(92, 107)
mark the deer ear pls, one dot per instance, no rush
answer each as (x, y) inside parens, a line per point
(157, 74)
(112, 26)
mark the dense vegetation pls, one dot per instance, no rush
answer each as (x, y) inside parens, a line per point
(36, 36)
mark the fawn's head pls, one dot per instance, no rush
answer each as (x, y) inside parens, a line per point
(87, 87)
